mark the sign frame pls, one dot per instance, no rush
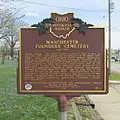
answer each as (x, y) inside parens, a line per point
(58, 92)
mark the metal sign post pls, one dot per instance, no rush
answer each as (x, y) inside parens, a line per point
(62, 107)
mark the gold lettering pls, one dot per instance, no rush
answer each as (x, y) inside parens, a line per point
(75, 46)
(47, 42)
(65, 43)
(62, 25)
(82, 46)
(46, 46)
(62, 28)
(62, 42)
(62, 19)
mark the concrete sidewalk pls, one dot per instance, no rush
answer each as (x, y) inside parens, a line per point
(108, 105)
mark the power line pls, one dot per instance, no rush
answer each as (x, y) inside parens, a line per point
(88, 10)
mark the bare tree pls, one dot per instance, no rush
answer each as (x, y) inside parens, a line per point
(10, 22)
(4, 50)
(12, 35)
(6, 17)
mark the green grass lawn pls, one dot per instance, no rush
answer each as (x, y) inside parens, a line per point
(22, 107)
(115, 76)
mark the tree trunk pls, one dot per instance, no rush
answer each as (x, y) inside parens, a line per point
(12, 51)
(3, 59)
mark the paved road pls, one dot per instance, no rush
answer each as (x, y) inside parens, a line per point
(115, 67)
(108, 105)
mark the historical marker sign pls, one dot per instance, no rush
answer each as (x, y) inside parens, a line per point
(62, 57)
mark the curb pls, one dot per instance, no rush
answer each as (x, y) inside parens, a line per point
(114, 82)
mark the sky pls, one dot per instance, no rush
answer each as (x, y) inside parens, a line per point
(90, 11)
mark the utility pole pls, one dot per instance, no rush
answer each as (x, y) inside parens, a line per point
(110, 8)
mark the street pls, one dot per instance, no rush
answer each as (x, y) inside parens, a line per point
(115, 67)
